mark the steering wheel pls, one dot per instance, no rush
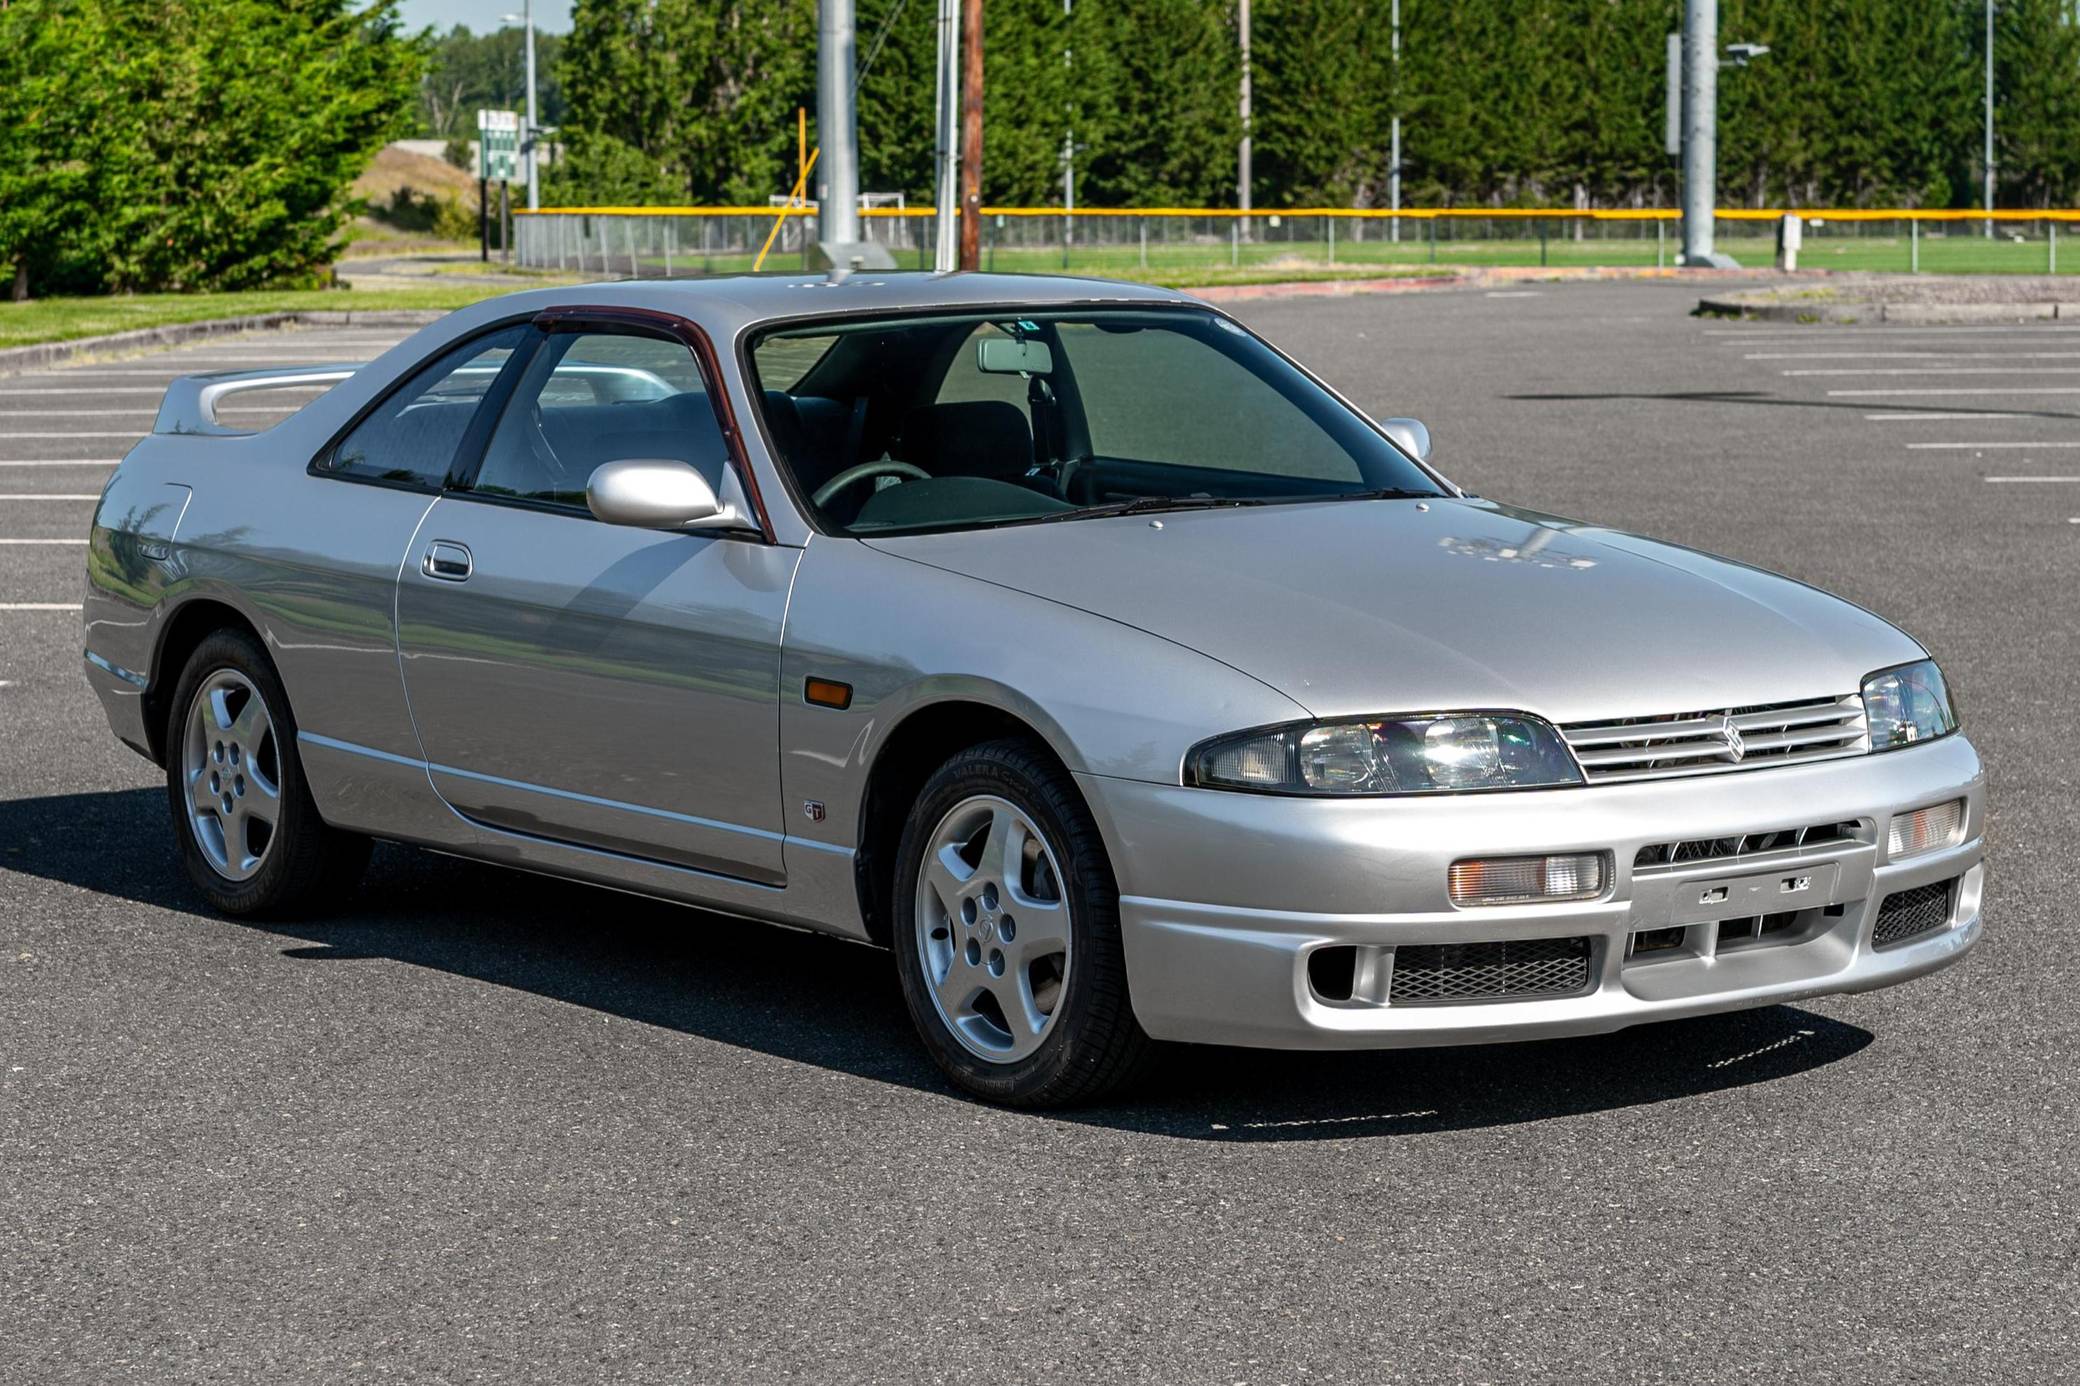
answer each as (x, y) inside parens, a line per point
(852, 476)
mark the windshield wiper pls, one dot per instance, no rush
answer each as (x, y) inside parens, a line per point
(1385, 493)
(1142, 505)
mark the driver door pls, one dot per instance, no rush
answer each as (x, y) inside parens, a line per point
(595, 684)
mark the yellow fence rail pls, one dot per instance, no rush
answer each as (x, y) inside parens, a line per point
(1215, 244)
(1939, 214)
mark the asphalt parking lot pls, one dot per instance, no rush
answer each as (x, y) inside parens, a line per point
(482, 1127)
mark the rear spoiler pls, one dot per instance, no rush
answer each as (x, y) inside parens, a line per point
(191, 401)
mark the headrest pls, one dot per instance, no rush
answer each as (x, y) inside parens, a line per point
(984, 437)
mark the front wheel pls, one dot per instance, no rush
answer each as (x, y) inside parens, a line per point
(1007, 938)
(250, 835)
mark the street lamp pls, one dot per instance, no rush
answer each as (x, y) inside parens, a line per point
(527, 133)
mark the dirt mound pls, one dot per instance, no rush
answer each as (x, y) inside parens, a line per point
(396, 168)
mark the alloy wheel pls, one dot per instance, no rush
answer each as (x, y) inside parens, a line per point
(993, 929)
(231, 764)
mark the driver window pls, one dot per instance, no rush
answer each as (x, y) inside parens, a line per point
(590, 398)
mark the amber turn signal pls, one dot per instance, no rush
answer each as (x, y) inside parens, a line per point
(827, 693)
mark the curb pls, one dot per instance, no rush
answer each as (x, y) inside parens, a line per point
(1822, 313)
(1312, 288)
(173, 334)
(1482, 276)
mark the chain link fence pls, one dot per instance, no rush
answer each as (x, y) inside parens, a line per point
(628, 242)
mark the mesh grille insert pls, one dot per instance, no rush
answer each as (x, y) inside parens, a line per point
(1441, 974)
(1908, 914)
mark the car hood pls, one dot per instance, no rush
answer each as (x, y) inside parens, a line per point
(1358, 607)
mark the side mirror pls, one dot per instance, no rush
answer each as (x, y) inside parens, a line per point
(657, 493)
(1409, 435)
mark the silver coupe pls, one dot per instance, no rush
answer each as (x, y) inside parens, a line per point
(1064, 638)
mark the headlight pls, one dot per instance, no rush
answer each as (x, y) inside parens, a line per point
(1401, 755)
(1907, 706)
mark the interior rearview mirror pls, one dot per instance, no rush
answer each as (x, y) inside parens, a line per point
(657, 493)
(1013, 356)
(1409, 435)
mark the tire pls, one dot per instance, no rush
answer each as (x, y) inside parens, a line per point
(230, 762)
(976, 952)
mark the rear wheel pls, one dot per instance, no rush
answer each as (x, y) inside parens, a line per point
(1008, 942)
(250, 835)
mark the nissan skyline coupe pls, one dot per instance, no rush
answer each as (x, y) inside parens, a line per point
(1063, 638)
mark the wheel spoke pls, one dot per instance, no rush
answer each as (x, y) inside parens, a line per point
(1004, 853)
(199, 792)
(217, 710)
(1042, 929)
(250, 724)
(1014, 993)
(949, 877)
(263, 801)
(958, 988)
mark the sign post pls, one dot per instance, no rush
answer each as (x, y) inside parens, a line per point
(498, 160)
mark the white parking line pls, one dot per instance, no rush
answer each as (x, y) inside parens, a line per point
(1975, 447)
(1998, 479)
(37, 606)
(9, 391)
(146, 412)
(1756, 334)
(61, 462)
(42, 541)
(39, 495)
(1934, 416)
(1942, 370)
(1909, 355)
(120, 433)
(1967, 390)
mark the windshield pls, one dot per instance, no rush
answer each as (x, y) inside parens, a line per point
(964, 421)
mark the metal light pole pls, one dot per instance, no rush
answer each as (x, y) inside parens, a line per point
(1242, 168)
(1700, 133)
(946, 249)
(837, 197)
(534, 193)
(528, 132)
(1989, 117)
(1394, 136)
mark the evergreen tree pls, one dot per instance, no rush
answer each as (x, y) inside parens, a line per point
(190, 144)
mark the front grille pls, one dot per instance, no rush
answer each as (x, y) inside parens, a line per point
(1713, 742)
(1713, 849)
(1443, 974)
(1906, 914)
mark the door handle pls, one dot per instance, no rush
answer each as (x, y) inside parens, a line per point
(446, 560)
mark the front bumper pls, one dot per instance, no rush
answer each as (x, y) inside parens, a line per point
(1224, 896)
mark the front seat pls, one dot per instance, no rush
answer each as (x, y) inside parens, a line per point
(984, 437)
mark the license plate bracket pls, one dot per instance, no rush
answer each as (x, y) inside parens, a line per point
(1701, 901)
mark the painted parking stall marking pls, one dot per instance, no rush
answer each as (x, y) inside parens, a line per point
(2014, 367)
(97, 408)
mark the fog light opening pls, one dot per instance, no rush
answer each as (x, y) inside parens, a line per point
(1332, 972)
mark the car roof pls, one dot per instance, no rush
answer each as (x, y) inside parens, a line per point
(728, 305)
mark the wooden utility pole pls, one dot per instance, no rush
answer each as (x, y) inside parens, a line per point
(971, 134)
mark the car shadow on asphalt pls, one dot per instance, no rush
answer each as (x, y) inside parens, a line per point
(821, 1001)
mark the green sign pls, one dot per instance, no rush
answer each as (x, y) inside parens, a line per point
(498, 147)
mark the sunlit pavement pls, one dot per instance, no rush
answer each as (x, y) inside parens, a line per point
(480, 1126)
